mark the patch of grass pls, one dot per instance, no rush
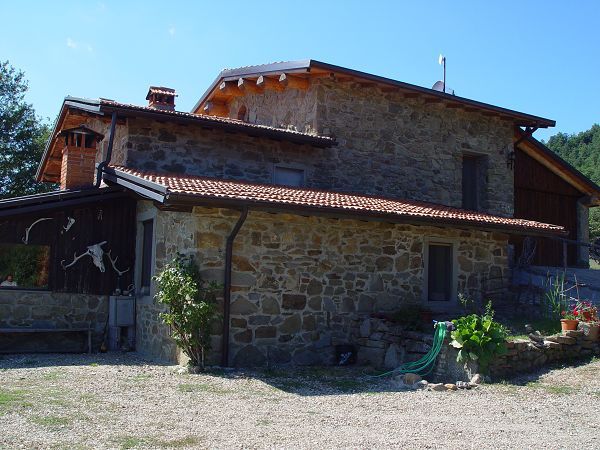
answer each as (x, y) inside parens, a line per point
(551, 388)
(545, 326)
(274, 373)
(51, 421)
(127, 442)
(290, 385)
(94, 364)
(10, 397)
(52, 375)
(264, 422)
(345, 385)
(188, 441)
(203, 387)
(139, 378)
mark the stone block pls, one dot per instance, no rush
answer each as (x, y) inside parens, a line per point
(270, 305)
(370, 356)
(259, 320)
(567, 340)
(243, 307)
(291, 324)
(243, 336)
(574, 333)
(265, 332)
(294, 301)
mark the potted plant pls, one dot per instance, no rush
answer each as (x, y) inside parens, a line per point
(569, 319)
(588, 317)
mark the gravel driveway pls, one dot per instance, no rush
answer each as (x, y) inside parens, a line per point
(121, 401)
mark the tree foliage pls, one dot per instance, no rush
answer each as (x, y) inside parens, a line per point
(582, 150)
(192, 306)
(23, 137)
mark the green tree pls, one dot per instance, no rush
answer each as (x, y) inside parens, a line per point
(23, 137)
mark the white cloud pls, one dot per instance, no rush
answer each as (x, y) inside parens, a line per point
(172, 30)
(75, 45)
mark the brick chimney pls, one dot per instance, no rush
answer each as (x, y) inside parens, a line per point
(161, 98)
(78, 165)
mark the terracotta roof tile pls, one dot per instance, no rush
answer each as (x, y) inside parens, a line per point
(216, 188)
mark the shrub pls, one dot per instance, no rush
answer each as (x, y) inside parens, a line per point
(479, 338)
(192, 306)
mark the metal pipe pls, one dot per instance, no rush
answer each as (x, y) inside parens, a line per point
(111, 138)
(227, 286)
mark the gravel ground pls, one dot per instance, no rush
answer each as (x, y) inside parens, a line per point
(121, 401)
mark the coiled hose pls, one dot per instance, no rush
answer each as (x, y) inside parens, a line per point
(425, 365)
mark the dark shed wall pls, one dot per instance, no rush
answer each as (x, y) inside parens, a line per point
(111, 220)
(543, 196)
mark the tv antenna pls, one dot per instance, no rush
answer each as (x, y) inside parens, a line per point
(442, 62)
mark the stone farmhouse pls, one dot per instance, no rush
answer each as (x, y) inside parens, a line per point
(315, 194)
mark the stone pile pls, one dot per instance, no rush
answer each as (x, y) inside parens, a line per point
(413, 381)
(383, 344)
(527, 355)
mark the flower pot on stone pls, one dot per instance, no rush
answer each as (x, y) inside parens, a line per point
(568, 324)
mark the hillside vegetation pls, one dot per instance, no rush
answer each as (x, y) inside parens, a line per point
(582, 150)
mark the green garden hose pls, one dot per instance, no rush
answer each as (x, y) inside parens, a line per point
(425, 365)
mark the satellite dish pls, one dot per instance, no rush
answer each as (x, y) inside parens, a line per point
(439, 86)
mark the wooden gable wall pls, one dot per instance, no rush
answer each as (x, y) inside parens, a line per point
(545, 197)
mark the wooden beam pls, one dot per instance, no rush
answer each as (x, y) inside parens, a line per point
(293, 82)
(269, 83)
(249, 86)
(230, 89)
(215, 108)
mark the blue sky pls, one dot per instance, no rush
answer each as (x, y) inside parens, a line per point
(539, 57)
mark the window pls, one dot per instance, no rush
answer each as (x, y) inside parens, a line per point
(440, 272)
(24, 266)
(470, 182)
(288, 176)
(147, 239)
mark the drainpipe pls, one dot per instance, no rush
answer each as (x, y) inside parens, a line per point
(111, 138)
(227, 286)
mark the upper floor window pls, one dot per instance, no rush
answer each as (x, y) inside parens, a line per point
(473, 182)
(288, 175)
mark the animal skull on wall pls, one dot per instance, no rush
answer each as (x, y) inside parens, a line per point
(94, 251)
(97, 254)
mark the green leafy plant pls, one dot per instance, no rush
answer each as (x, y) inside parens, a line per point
(479, 338)
(192, 306)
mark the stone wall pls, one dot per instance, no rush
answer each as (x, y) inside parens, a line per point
(385, 345)
(44, 309)
(392, 145)
(299, 283)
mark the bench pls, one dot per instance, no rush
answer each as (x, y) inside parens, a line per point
(52, 330)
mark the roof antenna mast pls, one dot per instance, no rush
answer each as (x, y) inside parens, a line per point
(442, 62)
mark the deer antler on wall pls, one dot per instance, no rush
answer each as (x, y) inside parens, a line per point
(67, 227)
(25, 238)
(114, 264)
(94, 251)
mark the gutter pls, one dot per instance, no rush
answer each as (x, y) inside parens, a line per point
(227, 285)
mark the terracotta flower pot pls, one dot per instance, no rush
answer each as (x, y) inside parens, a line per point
(568, 324)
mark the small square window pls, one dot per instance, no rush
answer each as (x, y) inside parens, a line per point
(288, 176)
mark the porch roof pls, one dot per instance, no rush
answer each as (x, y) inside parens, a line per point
(173, 189)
